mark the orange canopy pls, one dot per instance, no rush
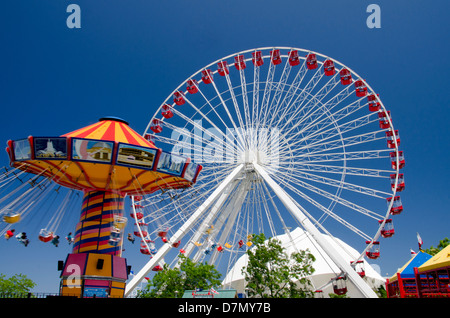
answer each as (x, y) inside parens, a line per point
(111, 129)
(107, 155)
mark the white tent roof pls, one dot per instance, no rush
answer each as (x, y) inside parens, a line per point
(325, 269)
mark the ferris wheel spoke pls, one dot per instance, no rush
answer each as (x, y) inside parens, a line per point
(235, 103)
(322, 122)
(350, 155)
(310, 107)
(265, 207)
(225, 141)
(287, 104)
(200, 192)
(327, 211)
(320, 137)
(255, 97)
(324, 115)
(231, 217)
(333, 197)
(295, 105)
(245, 103)
(213, 108)
(230, 117)
(337, 144)
(275, 104)
(277, 211)
(303, 111)
(263, 110)
(345, 185)
(356, 171)
(307, 106)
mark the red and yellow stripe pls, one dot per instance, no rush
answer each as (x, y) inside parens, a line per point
(111, 130)
(93, 231)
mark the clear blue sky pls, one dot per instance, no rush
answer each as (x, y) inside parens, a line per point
(128, 56)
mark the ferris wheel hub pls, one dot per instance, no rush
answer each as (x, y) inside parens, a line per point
(250, 156)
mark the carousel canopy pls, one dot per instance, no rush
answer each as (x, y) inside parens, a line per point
(108, 156)
(111, 129)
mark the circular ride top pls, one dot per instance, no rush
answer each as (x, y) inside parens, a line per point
(107, 161)
(107, 156)
(287, 138)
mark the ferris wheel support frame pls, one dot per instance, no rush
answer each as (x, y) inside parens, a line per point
(204, 226)
(182, 230)
(343, 265)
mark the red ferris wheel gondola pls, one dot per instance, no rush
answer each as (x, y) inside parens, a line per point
(293, 58)
(397, 206)
(400, 183)
(311, 61)
(191, 86)
(346, 77)
(401, 160)
(257, 58)
(166, 111)
(328, 67)
(374, 104)
(223, 68)
(275, 57)
(374, 250)
(360, 88)
(388, 228)
(239, 62)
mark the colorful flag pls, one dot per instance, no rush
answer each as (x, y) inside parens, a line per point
(419, 239)
(214, 291)
(412, 252)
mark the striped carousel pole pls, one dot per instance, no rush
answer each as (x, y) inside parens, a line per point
(95, 267)
(93, 231)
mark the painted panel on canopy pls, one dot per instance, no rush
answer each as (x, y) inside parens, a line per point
(22, 149)
(171, 164)
(50, 148)
(92, 150)
(136, 156)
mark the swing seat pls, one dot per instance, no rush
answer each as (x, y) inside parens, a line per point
(45, 236)
(120, 222)
(11, 218)
(145, 251)
(157, 268)
(114, 241)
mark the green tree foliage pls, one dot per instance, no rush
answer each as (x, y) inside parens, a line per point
(272, 273)
(172, 282)
(16, 284)
(434, 250)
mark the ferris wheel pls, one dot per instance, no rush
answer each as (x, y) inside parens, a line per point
(286, 138)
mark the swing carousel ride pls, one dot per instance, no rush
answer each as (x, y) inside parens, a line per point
(284, 138)
(106, 161)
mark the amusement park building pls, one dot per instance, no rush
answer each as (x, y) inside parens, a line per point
(403, 283)
(325, 269)
(424, 276)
